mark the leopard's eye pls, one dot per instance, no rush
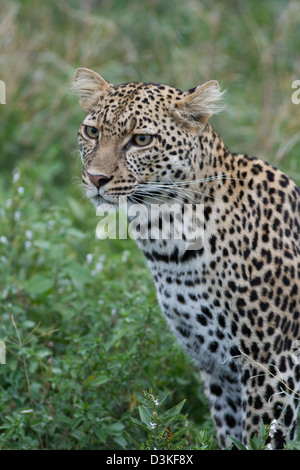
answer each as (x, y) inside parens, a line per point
(142, 140)
(91, 132)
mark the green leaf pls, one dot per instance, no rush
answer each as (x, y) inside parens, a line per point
(238, 444)
(163, 397)
(263, 430)
(177, 434)
(76, 209)
(39, 284)
(99, 381)
(120, 440)
(175, 410)
(138, 423)
(79, 275)
(43, 244)
(146, 415)
(115, 428)
(134, 442)
(77, 422)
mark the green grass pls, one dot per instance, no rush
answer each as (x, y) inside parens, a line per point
(84, 334)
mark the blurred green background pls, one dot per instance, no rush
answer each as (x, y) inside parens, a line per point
(83, 331)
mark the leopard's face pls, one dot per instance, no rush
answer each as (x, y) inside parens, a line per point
(135, 139)
(125, 144)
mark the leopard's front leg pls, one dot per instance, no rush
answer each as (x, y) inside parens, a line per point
(224, 395)
(270, 396)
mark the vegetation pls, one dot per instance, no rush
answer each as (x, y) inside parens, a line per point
(83, 332)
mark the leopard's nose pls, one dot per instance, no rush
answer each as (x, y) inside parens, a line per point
(98, 180)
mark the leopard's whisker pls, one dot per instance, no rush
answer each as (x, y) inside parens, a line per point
(196, 192)
(155, 198)
(172, 198)
(201, 180)
(163, 194)
(168, 186)
(136, 200)
(180, 192)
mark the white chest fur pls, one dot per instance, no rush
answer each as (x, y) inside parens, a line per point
(187, 299)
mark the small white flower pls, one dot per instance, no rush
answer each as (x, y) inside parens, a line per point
(97, 269)
(3, 240)
(99, 266)
(269, 447)
(273, 425)
(152, 425)
(21, 190)
(17, 215)
(273, 428)
(125, 255)
(16, 176)
(89, 258)
(8, 203)
(155, 402)
(50, 224)
(113, 311)
(28, 234)
(28, 245)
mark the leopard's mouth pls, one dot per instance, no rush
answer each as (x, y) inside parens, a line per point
(96, 200)
(99, 200)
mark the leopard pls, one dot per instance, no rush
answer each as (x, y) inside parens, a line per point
(232, 296)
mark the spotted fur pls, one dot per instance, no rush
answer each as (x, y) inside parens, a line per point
(234, 302)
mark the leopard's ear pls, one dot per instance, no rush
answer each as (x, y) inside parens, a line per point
(197, 105)
(90, 87)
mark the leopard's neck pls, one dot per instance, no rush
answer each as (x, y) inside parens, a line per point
(199, 199)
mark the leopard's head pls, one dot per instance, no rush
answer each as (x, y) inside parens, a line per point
(137, 138)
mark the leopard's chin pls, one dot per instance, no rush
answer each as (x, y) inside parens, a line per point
(97, 200)
(100, 201)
